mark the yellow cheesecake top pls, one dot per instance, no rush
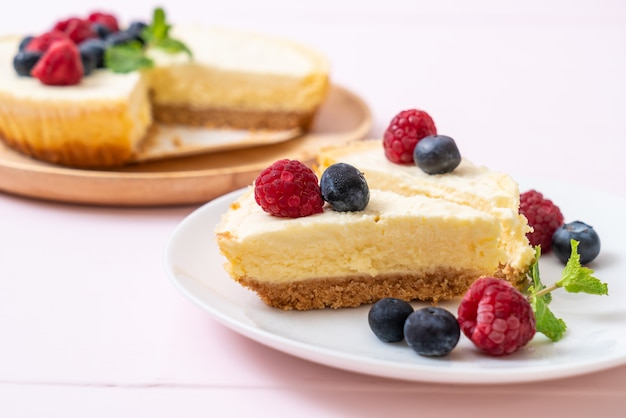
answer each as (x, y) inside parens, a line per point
(225, 64)
(469, 184)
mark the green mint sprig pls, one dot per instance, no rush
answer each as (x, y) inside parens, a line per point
(574, 279)
(131, 56)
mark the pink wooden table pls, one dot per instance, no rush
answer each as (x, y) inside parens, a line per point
(91, 326)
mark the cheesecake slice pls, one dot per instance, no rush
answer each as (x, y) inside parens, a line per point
(409, 247)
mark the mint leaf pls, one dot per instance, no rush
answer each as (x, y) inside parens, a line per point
(577, 279)
(574, 279)
(131, 56)
(173, 46)
(157, 35)
(126, 58)
(536, 279)
(546, 323)
(158, 29)
(540, 297)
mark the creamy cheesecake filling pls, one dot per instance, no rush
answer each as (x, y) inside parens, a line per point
(468, 185)
(264, 75)
(394, 235)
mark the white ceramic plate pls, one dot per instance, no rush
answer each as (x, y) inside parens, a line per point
(595, 340)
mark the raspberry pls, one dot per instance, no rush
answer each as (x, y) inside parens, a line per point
(42, 42)
(77, 29)
(288, 189)
(496, 317)
(105, 19)
(60, 65)
(406, 129)
(543, 216)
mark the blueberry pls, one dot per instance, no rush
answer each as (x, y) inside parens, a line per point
(386, 319)
(432, 331)
(588, 241)
(24, 42)
(24, 61)
(136, 27)
(437, 154)
(123, 37)
(89, 60)
(101, 30)
(94, 47)
(345, 188)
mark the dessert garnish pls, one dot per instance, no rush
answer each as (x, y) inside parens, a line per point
(551, 233)
(75, 46)
(437, 154)
(131, 55)
(543, 215)
(494, 315)
(344, 187)
(386, 319)
(411, 137)
(288, 189)
(587, 237)
(432, 331)
(575, 278)
(405, 130)
(60, 65)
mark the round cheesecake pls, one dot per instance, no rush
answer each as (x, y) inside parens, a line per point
(234, 80)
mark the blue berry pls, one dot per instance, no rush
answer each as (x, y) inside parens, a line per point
(345, 188)
(386, 319)
(432, 331)
(101, 30)
(588, 242)
(94, 47)
(24, 61)
(136, 27)
(24, 42)
(123, 37)
(437, 154)
(89, 61)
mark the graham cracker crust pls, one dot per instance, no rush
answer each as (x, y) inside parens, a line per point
(350, 292)
(232, 118)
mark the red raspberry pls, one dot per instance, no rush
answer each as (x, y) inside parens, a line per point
(543, 216)
(77, 29)
(288, 189)
(60, 65)
(42, 42)
(105, 19)
(406, 129)
(496, 317)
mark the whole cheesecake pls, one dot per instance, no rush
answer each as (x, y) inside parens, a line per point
(234, 80)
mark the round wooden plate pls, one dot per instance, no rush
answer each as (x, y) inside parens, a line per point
(196, 179)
